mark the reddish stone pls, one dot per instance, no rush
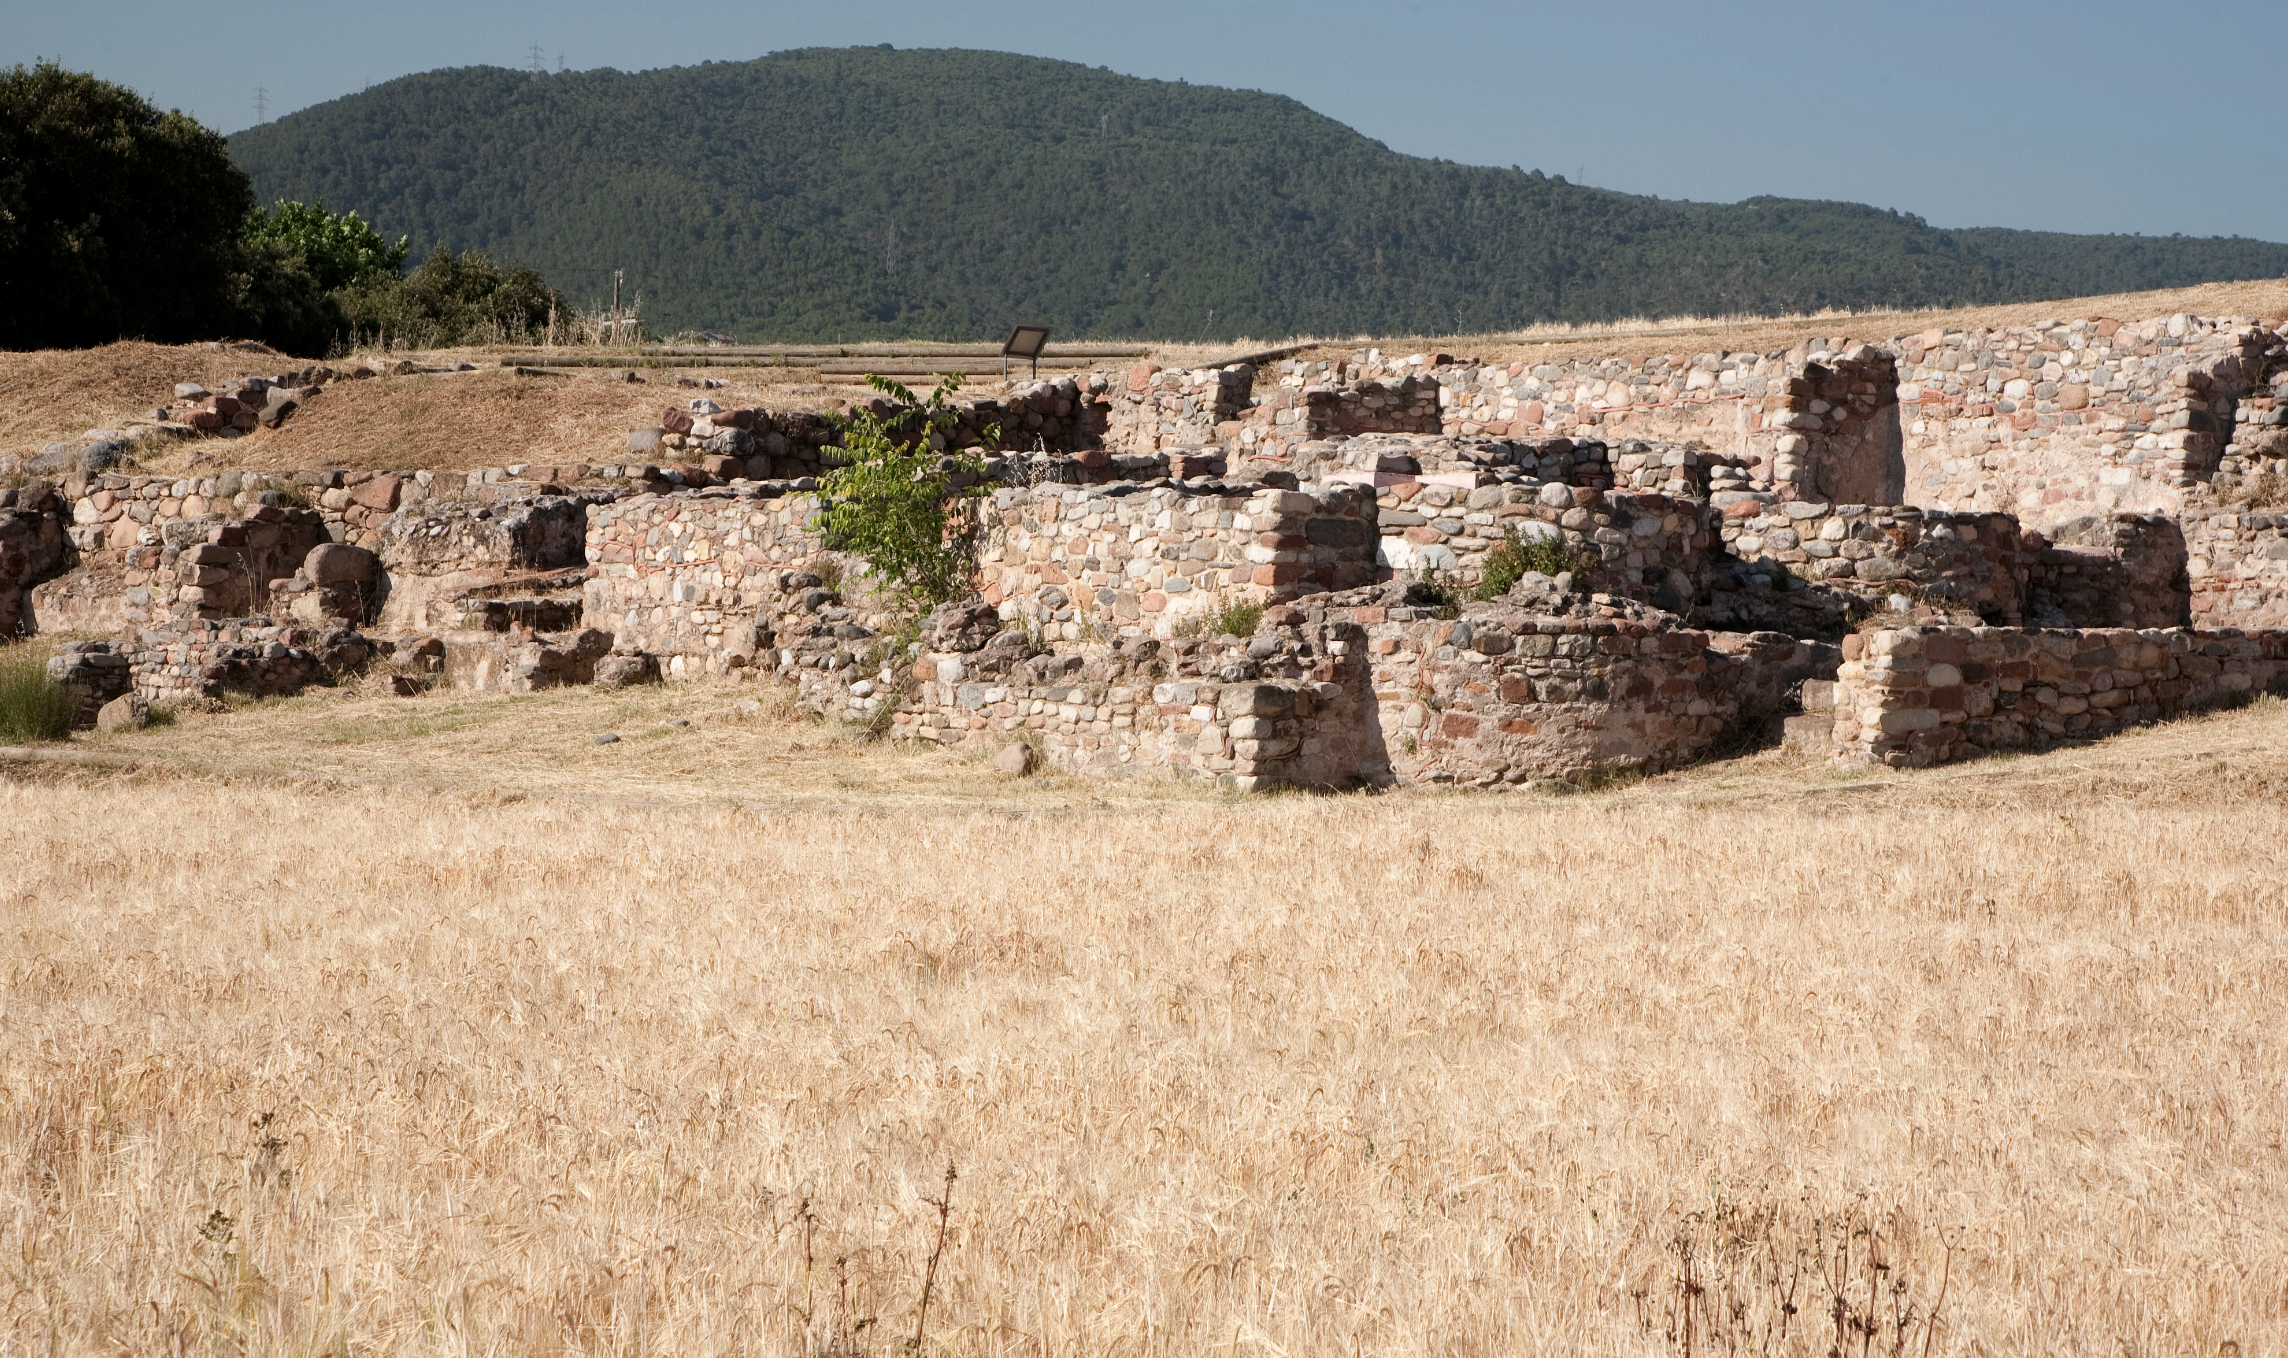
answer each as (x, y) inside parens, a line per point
(1140, 376)
(1516, 688)
(1519, 726)
(1092, 457)
(1458, 726)
(1282, 573)
(380, 493)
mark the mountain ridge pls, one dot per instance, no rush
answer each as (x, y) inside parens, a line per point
(854, 193)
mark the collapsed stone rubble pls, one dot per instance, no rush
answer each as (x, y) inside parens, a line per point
(1358, 571)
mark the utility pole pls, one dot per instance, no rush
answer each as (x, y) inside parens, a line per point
(539, 67)
(261, 104)
(616, 275)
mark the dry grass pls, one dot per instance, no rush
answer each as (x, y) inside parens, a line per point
(1637, 340)
(479, 1039)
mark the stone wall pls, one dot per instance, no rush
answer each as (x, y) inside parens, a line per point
(1157, 410)
(1820, 421)
(1466, 460)
(210, 566)
(1918, 696)
(33, 547)
(1285, 707)
(1074, 564)
(2081, 418)
(1510, 694)
(255, 657)
(1359, 688)
(1643, 546)
(2236, 563)
(687, 577)
(1062, 415)
(1949, 563)
(2116, 570)
(438, 554)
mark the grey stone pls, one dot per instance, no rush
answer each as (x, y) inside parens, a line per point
(646, 441)
(607, 739)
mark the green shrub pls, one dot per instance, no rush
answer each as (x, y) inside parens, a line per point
(33, 706)
(450, 299)
(1516, 555)
(1238, 620)
(893, 503)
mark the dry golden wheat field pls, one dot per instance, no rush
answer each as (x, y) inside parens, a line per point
(354, 1025)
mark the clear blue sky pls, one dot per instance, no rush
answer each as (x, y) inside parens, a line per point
(2102, 115)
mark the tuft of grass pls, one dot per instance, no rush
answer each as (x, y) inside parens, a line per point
(2266, 490)
(33, 706)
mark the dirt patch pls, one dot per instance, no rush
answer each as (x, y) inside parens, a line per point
(52, 394)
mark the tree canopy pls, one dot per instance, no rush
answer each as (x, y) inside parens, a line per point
(115, 218)
(119, 221)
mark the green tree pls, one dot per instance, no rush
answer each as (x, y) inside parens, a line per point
(893, 502)
(340, 250)
(115, 218)
(467, 298)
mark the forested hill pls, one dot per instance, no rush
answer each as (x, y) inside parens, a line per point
(867, 192)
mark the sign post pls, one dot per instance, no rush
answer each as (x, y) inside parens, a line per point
(1026, 342)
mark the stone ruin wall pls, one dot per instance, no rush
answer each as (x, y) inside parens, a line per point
(1712, 488)
(1814, 422)
(686, 578)
(1099, 563)
(1346, 690)
(2088, 417)
(1916, 696)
